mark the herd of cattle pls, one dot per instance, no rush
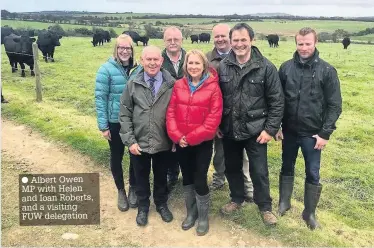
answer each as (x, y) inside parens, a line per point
(19, 47)
(203, 37)
(103, 36)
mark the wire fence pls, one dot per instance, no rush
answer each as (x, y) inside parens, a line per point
(25, 54)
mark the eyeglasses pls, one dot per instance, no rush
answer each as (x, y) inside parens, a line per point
(175, 40)
(121, 48)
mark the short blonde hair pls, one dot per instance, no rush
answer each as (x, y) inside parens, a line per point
(201, 55)
(123, 37)
(306, 31)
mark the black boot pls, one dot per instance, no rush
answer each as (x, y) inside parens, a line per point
(190, 199)
(203, 212)
(123, 203)
(311, 197)
(133, 199)
(285, 193)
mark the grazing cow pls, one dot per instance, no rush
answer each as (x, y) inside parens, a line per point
(273, 40)
(346, 41)
(47, 41)
(106, 36)
(144, 40)
(204, 37)
(5, 31)
(134, 36)
(194, 38)
(98, 39)
(19, 50)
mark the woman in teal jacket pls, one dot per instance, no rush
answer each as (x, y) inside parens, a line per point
(111, 79)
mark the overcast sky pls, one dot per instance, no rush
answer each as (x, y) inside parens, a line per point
(215, 7)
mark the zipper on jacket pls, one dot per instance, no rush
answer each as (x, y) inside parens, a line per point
(190, 99)
(313, 86)
(298, 96)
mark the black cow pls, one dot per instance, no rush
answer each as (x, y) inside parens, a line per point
(346, 41)
(273, 40)
(19, 50)
(204, 37)
(106, 36)
(98, 39)
(5, 31)
(134, 36)
(144, 40)
(194, 38)
(47, 41)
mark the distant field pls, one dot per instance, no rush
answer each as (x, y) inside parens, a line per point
(282, 27)
(369, 37)
(41, 25)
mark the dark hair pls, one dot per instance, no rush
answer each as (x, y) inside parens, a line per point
(245, 26)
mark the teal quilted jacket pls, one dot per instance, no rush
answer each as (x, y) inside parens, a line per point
(111, 79)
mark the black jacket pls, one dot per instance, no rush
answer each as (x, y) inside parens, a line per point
(253, 100)
(312, 96)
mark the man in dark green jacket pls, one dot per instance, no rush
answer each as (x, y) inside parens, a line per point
(143, 129)
(173, 55)
(313, 105)
(253, 105)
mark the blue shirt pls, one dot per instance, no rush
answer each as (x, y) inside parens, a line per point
(157, 83)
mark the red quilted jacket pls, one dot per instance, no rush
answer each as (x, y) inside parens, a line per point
(195, 115)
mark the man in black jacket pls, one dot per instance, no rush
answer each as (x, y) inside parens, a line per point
(313, 105)
(253, 105)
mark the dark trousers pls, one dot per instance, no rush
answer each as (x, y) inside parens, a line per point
(312, 157)
(142, 167)
(258, 170)
(173, 167)
(117, 149)
(194, 162)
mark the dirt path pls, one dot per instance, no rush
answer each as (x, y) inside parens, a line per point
(26, 151)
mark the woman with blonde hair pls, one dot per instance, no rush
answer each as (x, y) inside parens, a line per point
(111, 79)
(192, 119)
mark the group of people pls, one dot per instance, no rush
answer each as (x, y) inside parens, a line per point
(177, 108)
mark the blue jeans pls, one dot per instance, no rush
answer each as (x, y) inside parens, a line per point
(312, 157)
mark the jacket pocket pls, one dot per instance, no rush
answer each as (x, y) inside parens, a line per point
(225, 83)
(257, 114)
(256, 87)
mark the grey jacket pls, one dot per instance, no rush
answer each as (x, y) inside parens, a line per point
(143, 121)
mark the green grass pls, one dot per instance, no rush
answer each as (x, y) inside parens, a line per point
(369, 37)
(346, 209)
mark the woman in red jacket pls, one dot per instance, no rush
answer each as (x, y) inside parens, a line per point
(193, 116)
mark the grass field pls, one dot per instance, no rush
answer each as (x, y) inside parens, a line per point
(369, 37)
(346, 209)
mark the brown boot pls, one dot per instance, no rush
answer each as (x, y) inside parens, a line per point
(269, 218)
(230, 208)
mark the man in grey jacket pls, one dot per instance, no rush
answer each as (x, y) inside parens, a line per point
(143, 129)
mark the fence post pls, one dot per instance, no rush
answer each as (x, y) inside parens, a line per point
(37, 73)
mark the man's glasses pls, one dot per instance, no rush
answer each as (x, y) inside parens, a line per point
(171, 41)
(121, 48)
